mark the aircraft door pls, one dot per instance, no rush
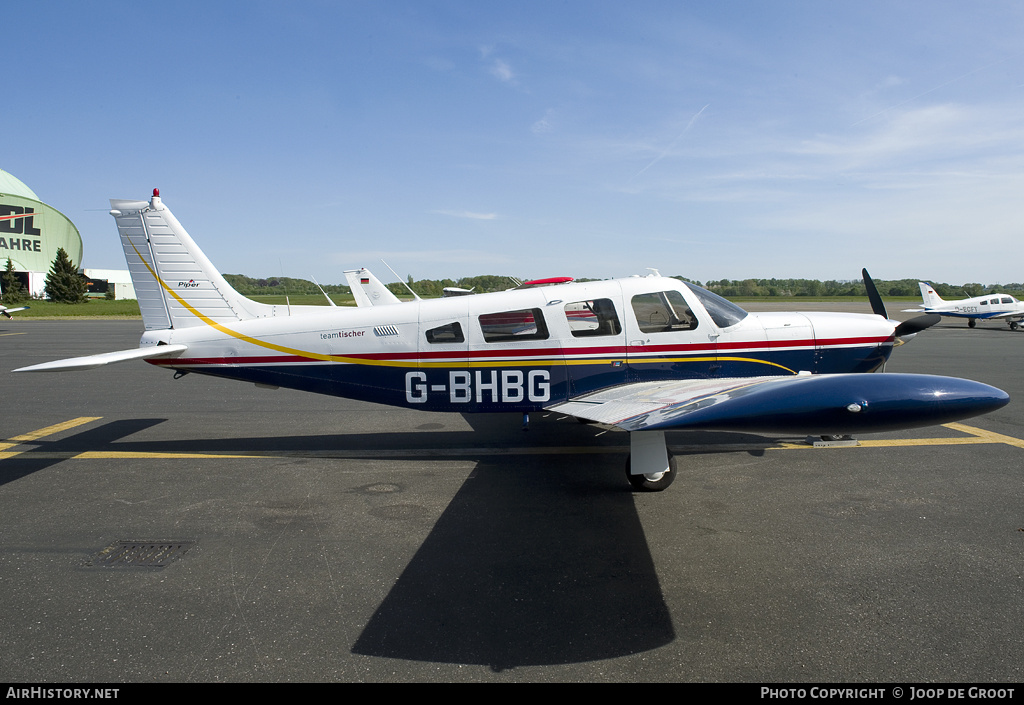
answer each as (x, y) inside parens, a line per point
(667, 338)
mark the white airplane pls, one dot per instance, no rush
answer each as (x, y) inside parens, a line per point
(4, 311)
(1001, 306)
(642, 354)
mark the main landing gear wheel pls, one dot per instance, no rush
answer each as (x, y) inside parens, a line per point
(971, 323)
(652, 483)
(1014, 325)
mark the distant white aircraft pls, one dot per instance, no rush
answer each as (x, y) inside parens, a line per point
(4, 311)
(1001, 306)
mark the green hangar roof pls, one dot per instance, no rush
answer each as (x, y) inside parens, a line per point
(31, 231)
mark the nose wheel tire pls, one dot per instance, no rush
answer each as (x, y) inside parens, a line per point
(655, 482)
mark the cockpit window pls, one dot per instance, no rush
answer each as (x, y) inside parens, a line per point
(590, 318)
(724, 313)
(1007, 300)
(527, 324)
(662, 311)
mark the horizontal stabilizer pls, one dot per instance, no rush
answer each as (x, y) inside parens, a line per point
(90, 361)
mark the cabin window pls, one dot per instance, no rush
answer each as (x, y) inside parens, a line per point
(591, 318)
(451, 333)
(1006, 300)
(525, 324)
(984, 303)
(663, 311)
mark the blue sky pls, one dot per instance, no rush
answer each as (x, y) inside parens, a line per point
(712, 140)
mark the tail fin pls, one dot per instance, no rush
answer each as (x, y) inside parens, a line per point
(368, 290)
(176, 285)
(931, 299)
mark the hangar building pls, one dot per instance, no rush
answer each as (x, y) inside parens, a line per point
(31, 232)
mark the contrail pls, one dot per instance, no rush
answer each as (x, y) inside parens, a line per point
(673, 144)
(931, 90)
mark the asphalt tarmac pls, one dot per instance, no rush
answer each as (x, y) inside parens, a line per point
(310, 538)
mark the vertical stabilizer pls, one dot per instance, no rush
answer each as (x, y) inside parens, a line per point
(176, 285)
(368, 290)
(931, 299)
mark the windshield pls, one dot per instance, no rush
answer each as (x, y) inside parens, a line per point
(723, 313)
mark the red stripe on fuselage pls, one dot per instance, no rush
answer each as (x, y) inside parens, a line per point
(568, 353)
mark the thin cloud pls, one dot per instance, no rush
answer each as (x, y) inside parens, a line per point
(469, 215)
(502, 71)
(544, 125)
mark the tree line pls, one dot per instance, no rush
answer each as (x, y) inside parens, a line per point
(814, 287)
(65, 284)
(432, 288)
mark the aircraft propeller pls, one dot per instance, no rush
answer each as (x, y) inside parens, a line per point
(917, 324)
(906, 328)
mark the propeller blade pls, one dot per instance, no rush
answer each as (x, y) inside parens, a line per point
(876, 300)
(917, 324)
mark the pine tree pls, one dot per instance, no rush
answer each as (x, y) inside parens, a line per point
(63, 283)
(10, 285)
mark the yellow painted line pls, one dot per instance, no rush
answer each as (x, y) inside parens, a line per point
(992, 436)
(138, 455)
(5, 334)
(43, 432)
(977, 436)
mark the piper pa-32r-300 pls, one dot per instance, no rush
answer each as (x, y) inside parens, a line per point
(1000, 306)
(643, 354)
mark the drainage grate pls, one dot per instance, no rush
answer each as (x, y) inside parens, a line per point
(141, 554)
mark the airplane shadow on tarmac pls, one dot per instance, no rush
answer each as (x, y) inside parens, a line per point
(535, 561)
(532, 563)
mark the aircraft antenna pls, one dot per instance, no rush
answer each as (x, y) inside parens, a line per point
(322, 290)
(414, 295)
(284, 280)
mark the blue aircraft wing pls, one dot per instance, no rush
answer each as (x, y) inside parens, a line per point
(798, 404)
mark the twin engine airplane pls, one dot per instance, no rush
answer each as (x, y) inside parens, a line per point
(642, 354)
(1001, 306)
